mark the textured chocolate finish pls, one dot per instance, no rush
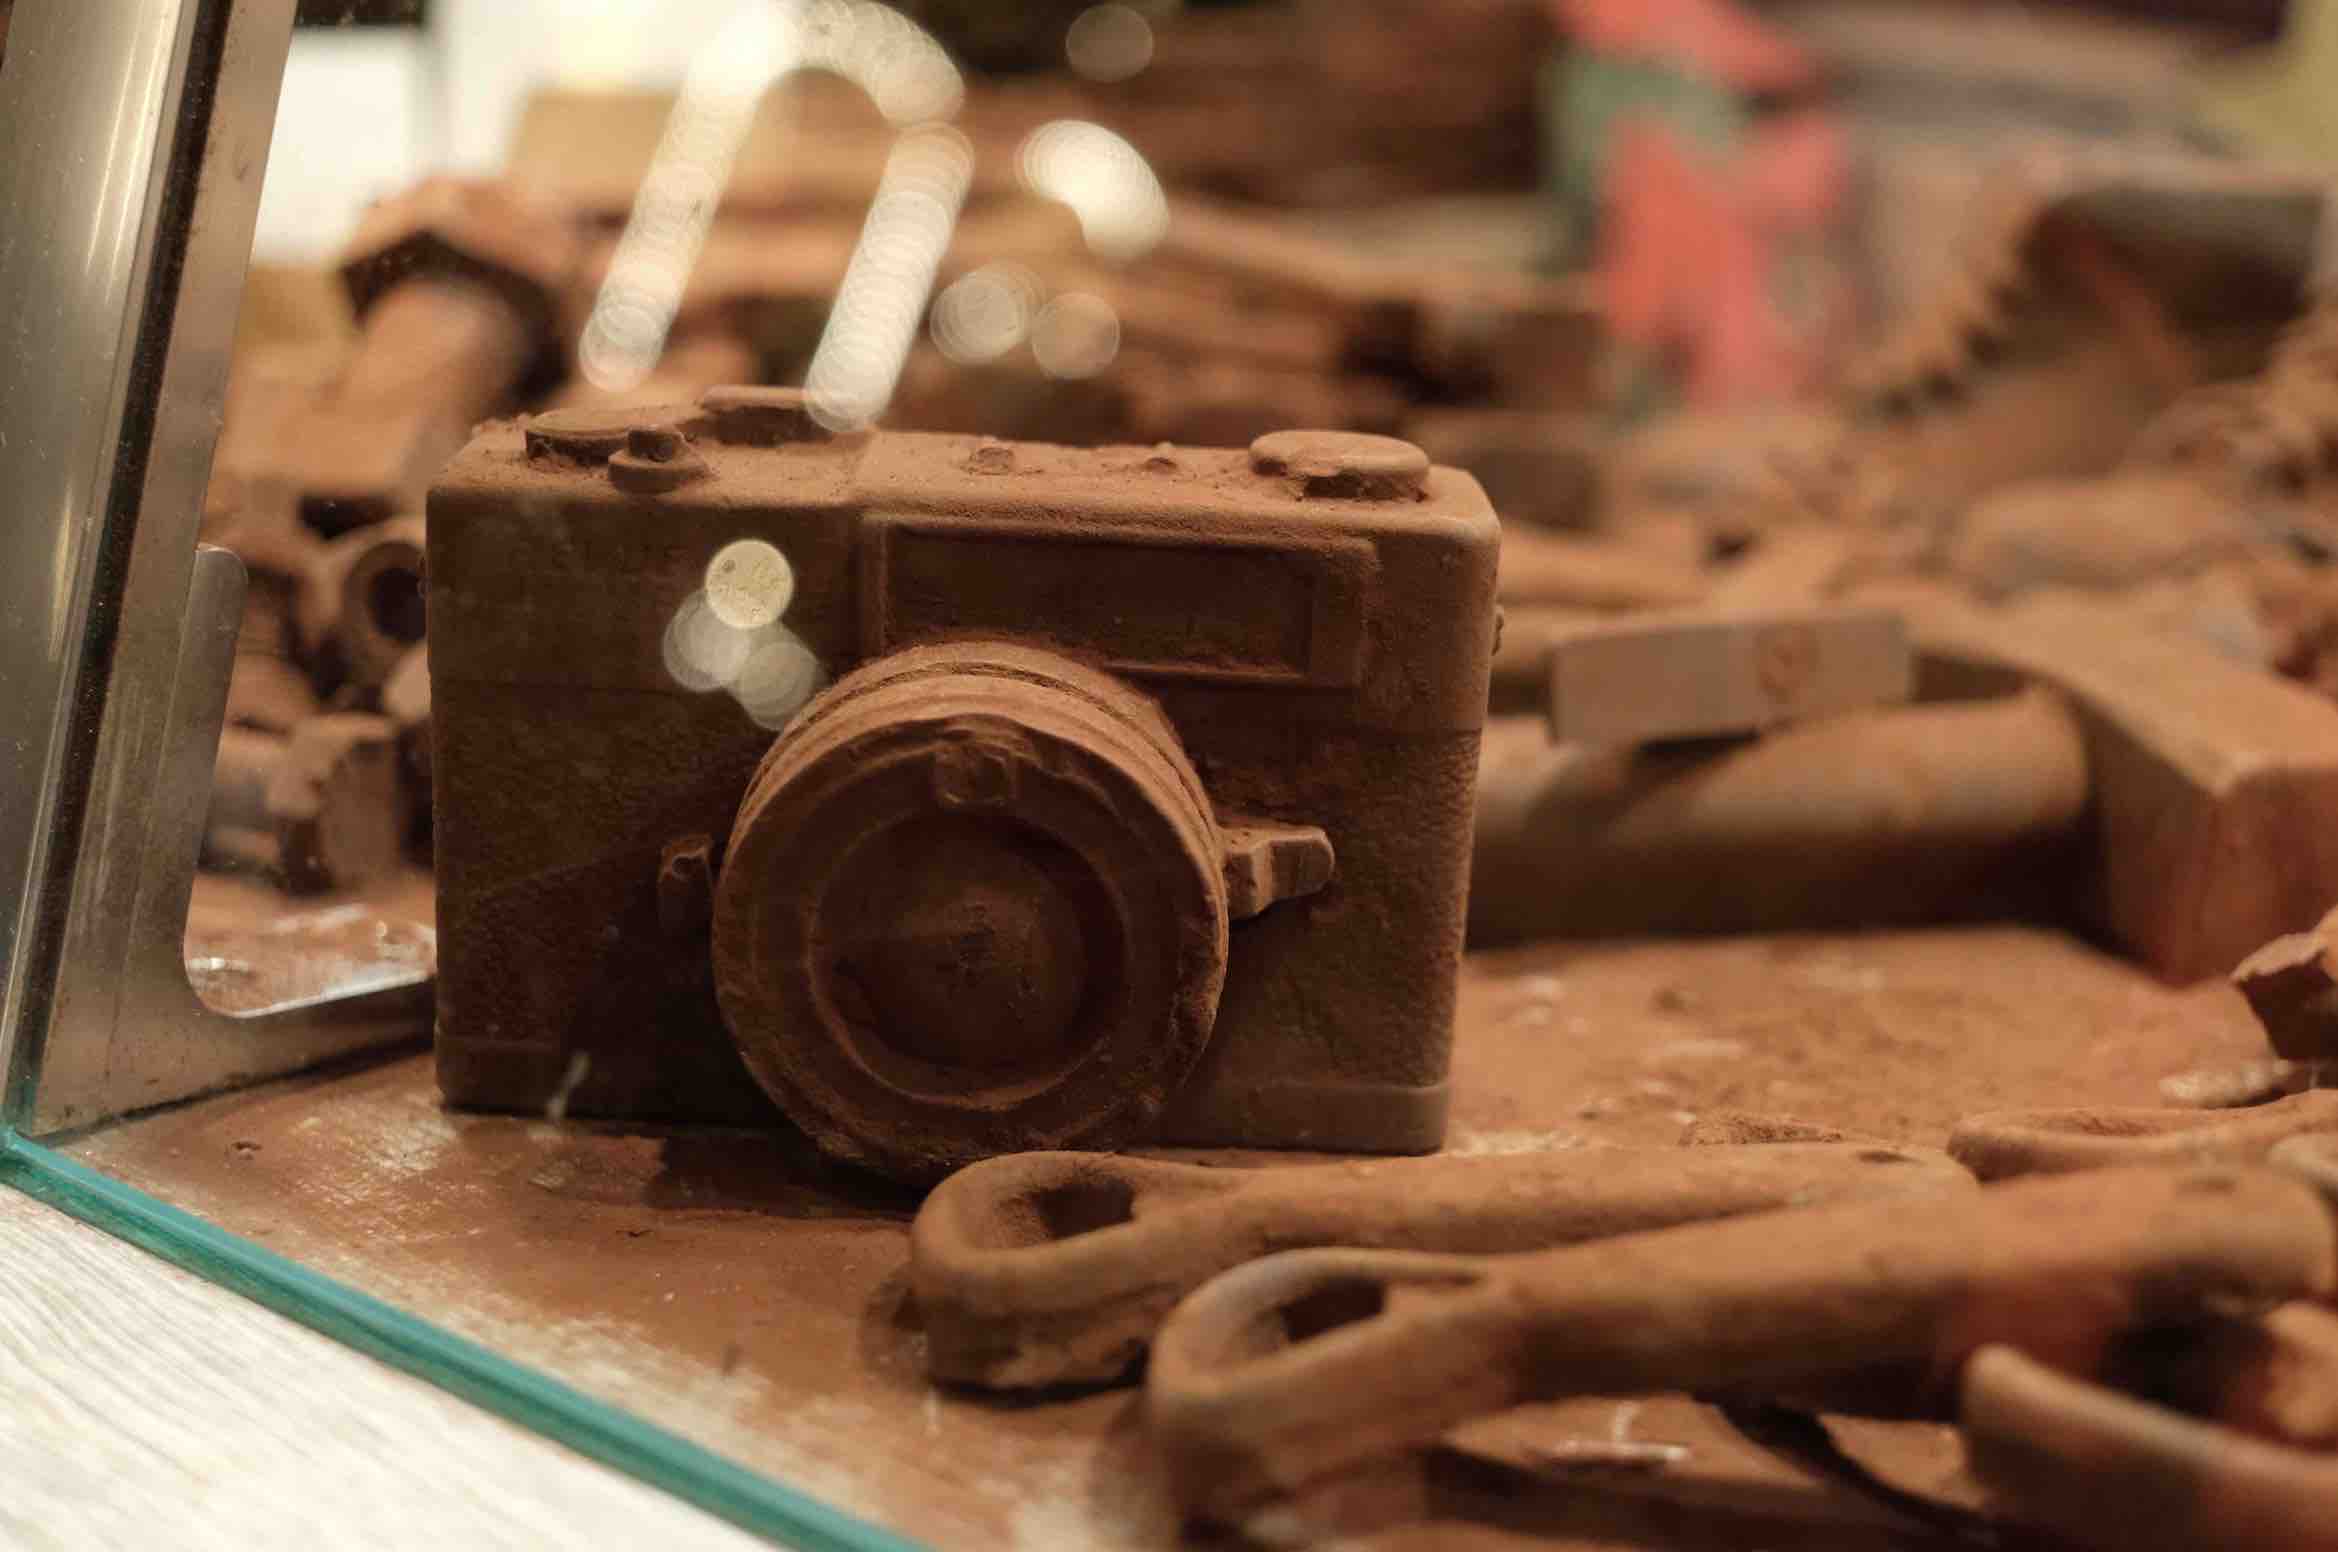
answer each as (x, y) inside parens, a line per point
(1044, 1268)
(1226, 648)
(318, 809)
(2104, 1470)
(1905, 813)
(1703, 674)
(2215, 785)
(2004, 1143)
(973, 904)
(460, 289)
(2292, 986)
(476, 231)
(360, 605)
(1314, 1362)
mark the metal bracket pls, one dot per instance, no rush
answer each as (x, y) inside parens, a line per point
(165, 1042)
(138, 131)
(162, 1042)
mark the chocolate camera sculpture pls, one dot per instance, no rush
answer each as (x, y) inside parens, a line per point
(1138, 807)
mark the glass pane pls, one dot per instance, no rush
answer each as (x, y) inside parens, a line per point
(1079, 398)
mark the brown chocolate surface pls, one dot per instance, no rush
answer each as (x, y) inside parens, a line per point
(729, 1286)
(1293, 635)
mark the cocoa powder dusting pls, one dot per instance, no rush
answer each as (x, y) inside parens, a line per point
(731, 1286)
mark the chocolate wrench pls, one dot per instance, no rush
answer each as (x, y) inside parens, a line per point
(2111, 1472)
(1304, 1365)
(1043, 1268)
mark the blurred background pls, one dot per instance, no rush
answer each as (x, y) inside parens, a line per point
(1722, 301)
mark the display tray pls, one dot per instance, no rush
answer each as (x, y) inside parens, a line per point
(248, 947)
(731, 1288)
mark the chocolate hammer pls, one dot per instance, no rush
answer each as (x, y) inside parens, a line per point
(1042, 1268)
(1902, 814)
(2213, 784)
(1306, 1364)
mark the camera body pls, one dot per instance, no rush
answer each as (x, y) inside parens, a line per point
(1136, 805)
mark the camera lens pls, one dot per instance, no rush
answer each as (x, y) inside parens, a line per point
(968, 951)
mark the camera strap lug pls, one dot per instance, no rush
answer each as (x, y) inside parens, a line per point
(1266, 862)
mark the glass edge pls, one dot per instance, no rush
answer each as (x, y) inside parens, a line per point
(412, 1345)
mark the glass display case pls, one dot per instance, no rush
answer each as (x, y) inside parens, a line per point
(1755, 800)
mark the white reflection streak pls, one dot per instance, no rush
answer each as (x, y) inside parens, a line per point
(898, 63)
(905, 72)
(626, 333)
(1106, 181)
(875, 318)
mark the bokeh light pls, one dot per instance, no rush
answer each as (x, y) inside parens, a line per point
(702, 652)
(986, 313)
(1106, 181)
(767, 668)
(875, 318)
(1075, 335)
(1109, 42)
(905, 72)
(749, 584)
(778, 677)
(626, 331)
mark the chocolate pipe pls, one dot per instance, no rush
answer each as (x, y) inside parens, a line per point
(361, 600)
(320, 809)
(436, 357)
(447, 347)
(1046, 1268)
(459, 286)
(1313, 1363)
(1913, 813)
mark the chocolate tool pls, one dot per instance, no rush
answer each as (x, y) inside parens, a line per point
(2003, 1143)
(1895, 814)
(1043, 1268)
(2272, 1373)
(977, 897)
(1308, 1364)
(2213, 784)
(2109, 1471)
(2292, 986)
